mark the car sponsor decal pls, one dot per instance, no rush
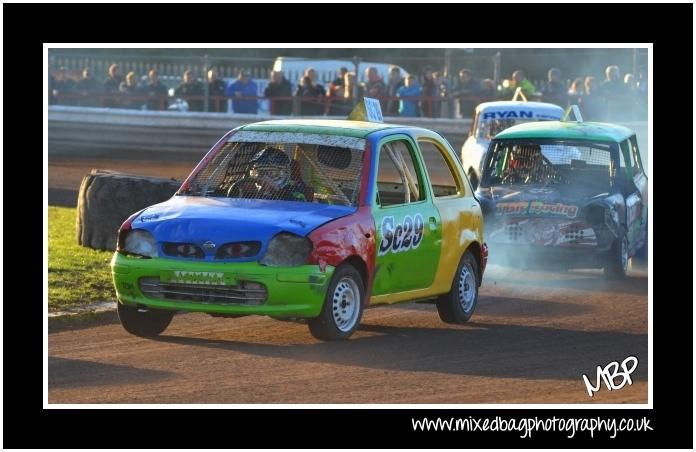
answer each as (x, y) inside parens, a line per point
(508, 114)
(400, 237)
(186, 277)
(536, 208)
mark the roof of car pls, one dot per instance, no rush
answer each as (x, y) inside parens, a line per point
(568, 130)
(357, 129)
(517, 105)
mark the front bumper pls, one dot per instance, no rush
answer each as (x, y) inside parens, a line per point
(290, 291)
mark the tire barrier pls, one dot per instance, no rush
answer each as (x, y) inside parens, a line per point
(107, 198)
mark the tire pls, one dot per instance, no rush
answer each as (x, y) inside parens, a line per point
(107, 198)
(617, 264)
(343, 306)
(149, 323)
(473, 178)
(459, 304)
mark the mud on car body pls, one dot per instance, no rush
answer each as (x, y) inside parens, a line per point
(312, 219)
(565, 194)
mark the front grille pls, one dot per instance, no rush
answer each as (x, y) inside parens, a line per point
(245, 292)
(182, 250)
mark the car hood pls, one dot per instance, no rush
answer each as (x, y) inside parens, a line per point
(536, 200)
(197, 220)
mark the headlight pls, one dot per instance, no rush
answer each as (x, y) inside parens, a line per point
(140, 242)
(287, 250)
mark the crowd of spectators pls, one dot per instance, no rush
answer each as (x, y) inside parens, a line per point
(429, 94)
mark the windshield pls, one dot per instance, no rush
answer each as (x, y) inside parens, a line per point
(283, 167)
(489, 128)
(549, 162)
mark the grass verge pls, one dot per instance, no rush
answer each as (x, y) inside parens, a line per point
(76, 274)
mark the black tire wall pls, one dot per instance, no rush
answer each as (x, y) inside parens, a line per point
(107, 198)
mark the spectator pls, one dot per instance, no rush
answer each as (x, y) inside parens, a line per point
(335, 102)
(409, 107)
(642, 93)
(311, 97)
(374, 85)
(614, 95)
(576, 91)
(488, 88)
(63, 86)
(442, 91)
(555, 91)
(88, 88)
(340, 76)
(191, 90)
(244, 86)
(466, 87)
(216, 92)
(590, 103)
(631, 96)
(519, 80)
(350, 84)
(312, 74)
(131, 91)
(429, 90)
(395, 82)
(279, 87)
(156, 91)
(112, 85)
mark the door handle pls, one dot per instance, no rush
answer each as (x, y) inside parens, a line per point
(432, 222)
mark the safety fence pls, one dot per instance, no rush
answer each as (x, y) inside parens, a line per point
(413, 106)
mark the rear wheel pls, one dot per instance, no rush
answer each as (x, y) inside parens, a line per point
(144, 322)
(616, 266)
(343, 306)
(473, 178)
(458, 305)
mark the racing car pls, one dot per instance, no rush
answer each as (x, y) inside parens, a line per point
(565, 194)
(307, 219)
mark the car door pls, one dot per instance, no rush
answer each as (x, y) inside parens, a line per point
(640, 179)
(409, 230)
(636, 199)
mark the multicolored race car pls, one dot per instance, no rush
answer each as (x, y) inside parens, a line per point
(312, 219)
(565, 194)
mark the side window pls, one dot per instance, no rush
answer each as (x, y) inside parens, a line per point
(442, 178)
(627, 165)
(624, 154)
(635, 156)
(398, 181)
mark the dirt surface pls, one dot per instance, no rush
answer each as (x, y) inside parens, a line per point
(65, 172)
(532, 337)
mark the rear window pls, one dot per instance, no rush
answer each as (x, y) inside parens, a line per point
(283, 167)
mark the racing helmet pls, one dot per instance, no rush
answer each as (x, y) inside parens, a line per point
(270, 166)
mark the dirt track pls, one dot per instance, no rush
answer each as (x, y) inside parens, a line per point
(532, 337)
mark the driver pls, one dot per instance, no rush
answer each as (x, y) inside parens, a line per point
(498, 125)
(270, 176)
(525, 164)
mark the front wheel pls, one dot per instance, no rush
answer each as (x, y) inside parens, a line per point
(143, 322)
(343, 306)
(473, 178)
(458, 305)
(616, 266)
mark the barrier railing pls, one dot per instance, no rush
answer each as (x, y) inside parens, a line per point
(426, 106)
